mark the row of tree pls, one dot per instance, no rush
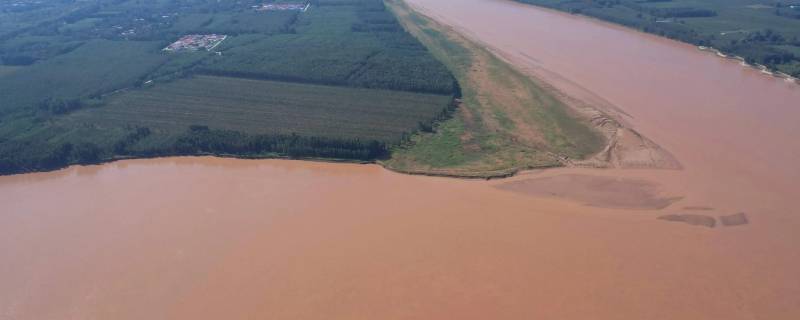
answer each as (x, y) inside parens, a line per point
(201, 139)
(17, 157)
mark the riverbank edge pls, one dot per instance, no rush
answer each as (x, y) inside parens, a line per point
(760, 67)
(472, 175)
(190, 155)
(721, 54)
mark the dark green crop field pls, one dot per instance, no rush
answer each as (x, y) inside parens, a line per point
(766, 32)
(88, 81)
(266, 107)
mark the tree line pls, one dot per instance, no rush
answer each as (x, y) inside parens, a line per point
(20, 157)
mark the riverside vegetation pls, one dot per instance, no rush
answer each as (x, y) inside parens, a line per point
(765, 32)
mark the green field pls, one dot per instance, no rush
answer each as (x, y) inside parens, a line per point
(266, 107)
(762, 31)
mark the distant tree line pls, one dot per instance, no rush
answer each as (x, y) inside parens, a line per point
(761, 47)
(201, 139)
(20, 157)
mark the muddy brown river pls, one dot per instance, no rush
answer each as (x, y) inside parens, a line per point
(209, 238)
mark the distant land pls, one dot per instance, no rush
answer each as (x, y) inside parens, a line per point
(764, 32)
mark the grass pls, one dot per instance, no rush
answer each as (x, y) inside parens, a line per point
(506, 121)
(266, 107)
(441, 150)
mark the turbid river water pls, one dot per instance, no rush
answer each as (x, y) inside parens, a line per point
(207, 238)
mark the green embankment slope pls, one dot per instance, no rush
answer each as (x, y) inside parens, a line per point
(506, 121)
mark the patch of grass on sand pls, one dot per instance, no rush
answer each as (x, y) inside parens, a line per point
(443, 149)
(505, 122)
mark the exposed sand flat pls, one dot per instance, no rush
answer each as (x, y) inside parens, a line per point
(205, 238)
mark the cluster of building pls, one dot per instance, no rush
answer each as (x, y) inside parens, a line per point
(282, 7)
(194, 42)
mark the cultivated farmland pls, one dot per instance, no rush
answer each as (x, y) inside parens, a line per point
(268, 107)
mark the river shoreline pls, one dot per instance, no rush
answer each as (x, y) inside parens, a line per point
(196, 155)
(472, 175)
(764, 69)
